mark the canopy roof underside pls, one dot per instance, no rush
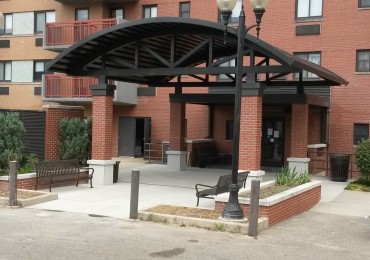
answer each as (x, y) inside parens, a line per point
(158, 50)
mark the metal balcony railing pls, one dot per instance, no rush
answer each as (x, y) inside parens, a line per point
(62, 86)
(67, 33)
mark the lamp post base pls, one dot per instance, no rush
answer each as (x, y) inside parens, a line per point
(232, 209)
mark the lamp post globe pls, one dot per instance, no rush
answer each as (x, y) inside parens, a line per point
(226, 8)
(259, 4)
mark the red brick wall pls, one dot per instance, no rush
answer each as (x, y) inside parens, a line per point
(250, 133)
(314, 124)
(319, 160)
(53, 118)
(197, 121)
(43, 183)
(285, 209)
(177, 127)
(220, 115)
(299, 131)
(288, 135)
(102, 120)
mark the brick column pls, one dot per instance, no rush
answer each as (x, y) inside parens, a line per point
(177, 152)
(299, 131)
(102, 125)
(250, 133)
(299, 138)
(54, 114)
(102, 139)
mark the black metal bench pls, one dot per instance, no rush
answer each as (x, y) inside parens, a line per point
(58, 170)
(207, 155)
(222, 186)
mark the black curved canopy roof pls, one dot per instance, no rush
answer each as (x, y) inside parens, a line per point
(155, 51)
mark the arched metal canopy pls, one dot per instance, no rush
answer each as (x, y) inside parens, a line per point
(155, 51)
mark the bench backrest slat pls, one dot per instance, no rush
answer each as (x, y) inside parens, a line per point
(55, 168)
(223, 184)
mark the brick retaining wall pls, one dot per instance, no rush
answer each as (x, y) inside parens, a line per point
(284, 209)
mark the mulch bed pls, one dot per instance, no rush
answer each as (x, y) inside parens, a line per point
(268, 191)
(21, 194)
(185, 211)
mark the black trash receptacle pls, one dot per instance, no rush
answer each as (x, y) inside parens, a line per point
(339, 164)
(115, 171)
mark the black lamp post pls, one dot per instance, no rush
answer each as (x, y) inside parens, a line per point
(232, 209)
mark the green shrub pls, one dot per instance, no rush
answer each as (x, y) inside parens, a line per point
(29, 163)
(291, 177)
(11, 139)
(75, 139)
(363, 159)
(359, 185)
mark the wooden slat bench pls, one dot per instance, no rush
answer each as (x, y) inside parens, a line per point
(222, 186)
(58, 170)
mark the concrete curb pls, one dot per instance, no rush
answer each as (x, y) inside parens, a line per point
(44, 197)
(216, 225)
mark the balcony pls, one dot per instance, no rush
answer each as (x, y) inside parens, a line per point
(75, 90)
(91, 1)
(61, 35)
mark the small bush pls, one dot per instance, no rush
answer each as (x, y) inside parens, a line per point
(291, 177)
(363, 159)
(359, 185)
(75, 140)
(11, 139)
(30, 164)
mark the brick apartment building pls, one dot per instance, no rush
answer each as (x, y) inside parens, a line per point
(334, 36)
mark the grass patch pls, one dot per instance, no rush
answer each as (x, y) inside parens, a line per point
(185, 211)
(359, 185)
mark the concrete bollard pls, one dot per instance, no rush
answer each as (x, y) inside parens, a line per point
(13, 183)
(253, 209)
(134, 200)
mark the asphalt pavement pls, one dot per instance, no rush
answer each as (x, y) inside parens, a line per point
(74, 226)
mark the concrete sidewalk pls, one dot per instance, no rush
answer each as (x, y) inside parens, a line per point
(158, 185)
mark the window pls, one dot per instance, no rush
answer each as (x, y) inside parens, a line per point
(118, 13)
(82, 14)
(230, 63)
(360, 131)
(7, 27)
(309, 8)
(149, 11)
(363, 61)
(363, 3)
(314, 57)
(38, 70)
(41, 18)
(185, 9)
(5, 71)
(229, 130)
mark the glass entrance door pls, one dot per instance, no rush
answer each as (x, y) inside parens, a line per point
(272, 153)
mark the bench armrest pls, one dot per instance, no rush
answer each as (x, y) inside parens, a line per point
(89, 168)
(203, 186)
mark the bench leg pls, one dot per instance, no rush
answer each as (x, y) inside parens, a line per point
(91, 182)
(197, 201)
(50, 184)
